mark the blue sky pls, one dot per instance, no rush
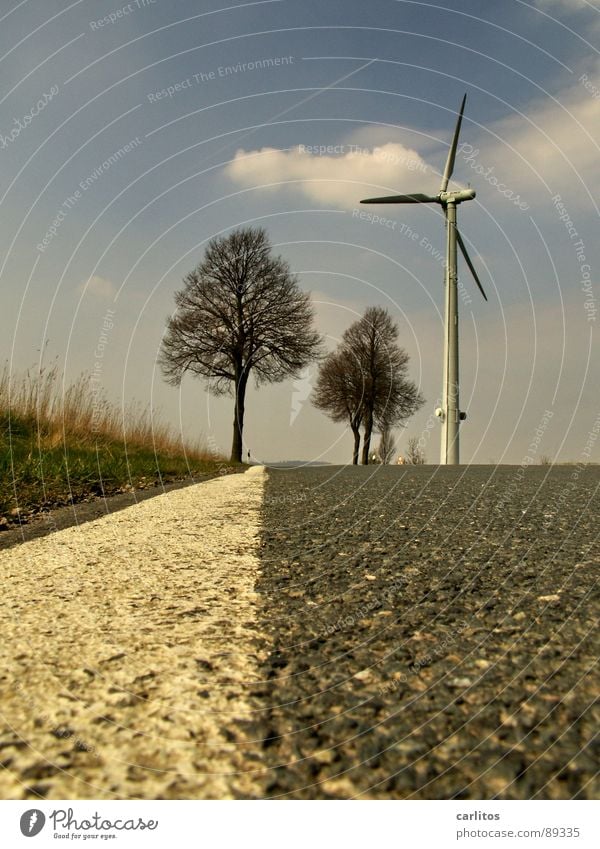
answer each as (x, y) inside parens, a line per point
(151, 127)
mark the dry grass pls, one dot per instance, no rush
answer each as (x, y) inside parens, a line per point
(62, 443)
(80, 413)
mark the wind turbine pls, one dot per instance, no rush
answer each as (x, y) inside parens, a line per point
(449, 412)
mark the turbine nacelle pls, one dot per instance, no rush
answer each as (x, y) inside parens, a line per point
(456, 197)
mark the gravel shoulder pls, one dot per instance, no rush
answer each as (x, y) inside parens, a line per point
(46, 522)
(129, 646)
(433, 631)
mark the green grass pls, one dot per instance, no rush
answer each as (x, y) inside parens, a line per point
(62, 445)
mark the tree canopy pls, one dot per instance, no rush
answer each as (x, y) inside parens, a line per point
(364, 381)
(240, 311)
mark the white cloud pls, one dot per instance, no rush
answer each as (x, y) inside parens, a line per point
(336, 175)
(553, 141)
(552, 146)
(98, 286)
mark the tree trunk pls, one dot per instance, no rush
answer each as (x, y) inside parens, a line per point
(355, 452)
(238, 419)
(367, 439)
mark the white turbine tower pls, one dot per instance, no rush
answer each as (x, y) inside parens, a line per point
(449, 412)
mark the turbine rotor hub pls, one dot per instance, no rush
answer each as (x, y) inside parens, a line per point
(456, 197)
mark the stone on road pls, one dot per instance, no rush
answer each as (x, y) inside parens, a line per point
(128, 648)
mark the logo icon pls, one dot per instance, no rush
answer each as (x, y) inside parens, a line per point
(300, 393)
(32, 822)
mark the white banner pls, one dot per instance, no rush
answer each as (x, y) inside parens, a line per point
(290, 825)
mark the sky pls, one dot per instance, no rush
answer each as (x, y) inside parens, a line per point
(133, 133)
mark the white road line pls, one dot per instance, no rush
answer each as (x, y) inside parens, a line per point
(128, 646)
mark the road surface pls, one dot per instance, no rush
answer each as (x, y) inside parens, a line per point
(333, 632)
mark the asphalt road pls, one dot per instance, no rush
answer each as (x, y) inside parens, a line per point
(330, 633)
(434, 633)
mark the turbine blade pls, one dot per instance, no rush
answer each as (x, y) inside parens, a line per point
(452, 152)
(414, 198)
(463, 249)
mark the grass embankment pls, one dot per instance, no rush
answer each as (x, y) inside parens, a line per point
(59, 445)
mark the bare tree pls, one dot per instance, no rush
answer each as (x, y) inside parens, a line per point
(388, 395)
(415, 455)
(338, 392)
(240, 311)
(364, 381)
(387, 445)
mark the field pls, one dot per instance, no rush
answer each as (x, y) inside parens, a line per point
(64, 444)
